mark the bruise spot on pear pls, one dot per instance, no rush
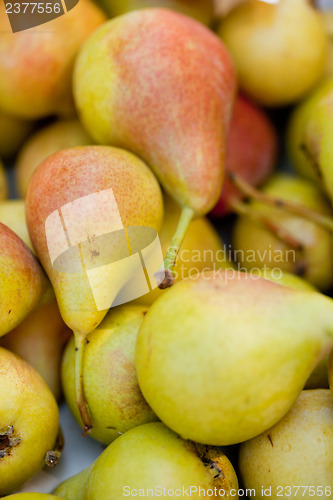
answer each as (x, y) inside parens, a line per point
(8, 440)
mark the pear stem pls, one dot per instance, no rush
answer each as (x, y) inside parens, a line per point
(80, 340)
(242, 208)
(295, 208)
(170, 259)
(53, 457)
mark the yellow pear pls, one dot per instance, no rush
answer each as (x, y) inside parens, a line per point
(12, 214)
(73, 488)
(32, 496)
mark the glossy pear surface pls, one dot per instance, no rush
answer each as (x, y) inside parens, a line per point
(211, 333)
(12, 214)
(29, 422)
(297, 451)
(51, 139)
(175, 120)
(277, 63)
(22, 281)
(152, 456)
(110, 382)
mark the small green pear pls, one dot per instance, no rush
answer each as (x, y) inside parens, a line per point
(152, 457)
(29, 422)
(222, 358)
(22, 280)
(12, 214)
(110, 383)
(257, 246)
(73, 488)
(295, 457)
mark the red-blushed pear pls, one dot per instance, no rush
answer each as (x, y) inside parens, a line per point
(79, 206)
(251, 151)
(161, 85)
(22, 281)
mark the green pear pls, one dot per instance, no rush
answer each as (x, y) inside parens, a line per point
(87, 208)
(40, 340)
(73, 488)
(176, 109)
(257, 246)
(3, 183)
(328, 19)
(202, 10)
(295, 457)
(29, 422)
(152, 457)
(22, 281)
(12, 214)
(277, 64)
(32, 496)
(110, 383)
(221, 360)
(62, 134)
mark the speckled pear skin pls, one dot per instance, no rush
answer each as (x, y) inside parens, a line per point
(70, 175)
(161, 85)
(22, 280)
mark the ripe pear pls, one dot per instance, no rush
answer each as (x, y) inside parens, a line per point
(176, 109)
(32, 496)
(62, 134)
(294, 454)
(13, 131)
(73, 488)
(151, 456)
(330, 371)
(40, 340)
(110, 382)
(12, 214)
(202, 10)
(203, 339)
(257, 245)
(100, 192)
(36, 64)
(328, 19)
(3, 183)
(29, 422)
(277, 64)
(202, 248)
(251, 151)
(22, 281)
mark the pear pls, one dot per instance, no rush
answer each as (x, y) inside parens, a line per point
(277, 64)
(101, 193)
(203, 339)
(12, 214)
(22, 281)
(73, 488)
(257, 245)
(36, 64)
(3, 183)
(328, 19)
(31, 496)
(29, 422)
(40, 340)
(62, 134)
(176, 108)
(295, 457)
(202, 248)
(110, 383)
(202, 10)
(153, 458)
(251, 151)
(330, 371)
(13, 132)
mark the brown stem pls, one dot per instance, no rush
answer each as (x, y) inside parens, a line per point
(290, 206)
(53, 457)
(80, 340)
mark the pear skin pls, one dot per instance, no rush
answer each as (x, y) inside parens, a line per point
(12, 214)
(202, 10)
(13, 131)
(328, 20)
(29, 422)
(32, 496)
(110, 382)
(174, 120)
(3, 183)
(60, 135)
(73, 488)
(75, 181)
(40, 340)
(330, 371)
(22, 280)
(277, 64)
(296, 452)
(207, 334)
(257, 246)
(152, 456)
(36, 64)
(251, 151)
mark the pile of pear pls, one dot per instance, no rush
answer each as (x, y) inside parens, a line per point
(218, 379)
